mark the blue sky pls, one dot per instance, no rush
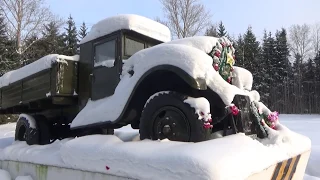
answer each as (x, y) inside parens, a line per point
(236, 15)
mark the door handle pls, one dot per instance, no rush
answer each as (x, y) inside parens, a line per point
(91, 76)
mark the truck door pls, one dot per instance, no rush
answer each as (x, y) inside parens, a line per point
(105, 74)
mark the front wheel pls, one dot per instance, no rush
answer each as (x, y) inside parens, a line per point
(167, 116)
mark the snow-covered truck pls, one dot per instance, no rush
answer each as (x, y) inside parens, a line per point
(129, 72)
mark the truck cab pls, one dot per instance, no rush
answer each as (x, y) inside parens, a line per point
(102, 56)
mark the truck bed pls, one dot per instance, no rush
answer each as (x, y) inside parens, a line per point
(53, 83)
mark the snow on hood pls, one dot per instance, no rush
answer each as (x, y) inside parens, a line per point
(133, 22)
(203, 43)
(180, 53)
(192, 60)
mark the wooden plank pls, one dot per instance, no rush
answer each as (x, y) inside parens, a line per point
(11, 95)
(36, 88)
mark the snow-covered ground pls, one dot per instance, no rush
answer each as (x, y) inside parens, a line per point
(307, 125)
(62, 153)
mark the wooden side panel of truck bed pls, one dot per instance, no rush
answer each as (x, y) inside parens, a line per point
(59, 80)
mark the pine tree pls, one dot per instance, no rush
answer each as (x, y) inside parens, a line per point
(7, 58)
(70, 38)
(297, 92)
(83, 31)
(283, 75)
(317, 69)
(251, 51)
(308, 88)
(35, 51)
(52, 39)
(221, 30)
(309, 71)
(317, 82)
(282, 54)
(239, 46)
(251, 55)
(51, 42)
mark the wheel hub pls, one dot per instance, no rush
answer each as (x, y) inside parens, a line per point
(166, 130)
(170, 123)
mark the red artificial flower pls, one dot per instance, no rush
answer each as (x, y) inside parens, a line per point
(207, 126)
(218, 54)
(234, 110)
(229, 80)
(216, 67)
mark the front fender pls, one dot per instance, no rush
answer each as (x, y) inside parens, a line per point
(198, 83)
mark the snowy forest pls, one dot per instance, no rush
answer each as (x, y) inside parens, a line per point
(285, 63)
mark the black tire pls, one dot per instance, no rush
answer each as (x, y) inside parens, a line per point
(177, 120)
(26, 132)
(44, 129)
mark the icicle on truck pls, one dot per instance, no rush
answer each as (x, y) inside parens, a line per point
(128, 72)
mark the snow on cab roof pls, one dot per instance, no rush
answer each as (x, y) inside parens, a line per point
(133, 22)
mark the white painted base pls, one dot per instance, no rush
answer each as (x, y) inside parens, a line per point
(268, 173)
(42, 172)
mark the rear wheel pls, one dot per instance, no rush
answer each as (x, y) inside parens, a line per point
(27, 130)
(44, 129)
(166, 115)
(33, 129)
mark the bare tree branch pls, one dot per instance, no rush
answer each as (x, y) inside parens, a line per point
(300, 41)
(316, 38)
(185, 18)
(25, 19)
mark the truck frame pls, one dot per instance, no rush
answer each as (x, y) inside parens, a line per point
(50, 99)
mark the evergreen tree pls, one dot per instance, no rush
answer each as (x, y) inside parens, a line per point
(221, 30)
(308, 85)
(282, 77)
(83, 31)
(309, 71)
(239, 46)
(251, 52)
(35, 51)
(51, 42)
(282, 54)
(317, 69)
(70, 38)
(52, 39)
(7, 58)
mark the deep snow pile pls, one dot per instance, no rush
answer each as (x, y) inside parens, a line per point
(123, 154)
(4, 175)
(32, 68)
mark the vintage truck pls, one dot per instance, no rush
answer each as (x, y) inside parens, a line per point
(128, 72)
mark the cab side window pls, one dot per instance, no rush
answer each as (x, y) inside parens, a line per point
(132, 46)
(105, 52)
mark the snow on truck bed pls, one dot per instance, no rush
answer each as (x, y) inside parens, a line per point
(32, 68)
(233, 157)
